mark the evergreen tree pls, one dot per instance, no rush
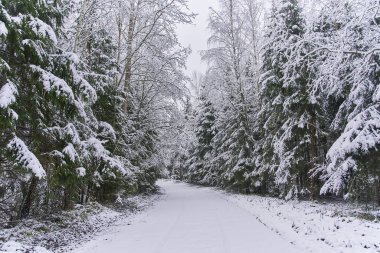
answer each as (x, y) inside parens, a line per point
(295, 122)
(233, 63)
(55, 135)
(351, 161)
(49, 91)
(199, 170)
(269, 114)
(233, 149)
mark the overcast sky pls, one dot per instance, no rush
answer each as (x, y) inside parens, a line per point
(196, 35)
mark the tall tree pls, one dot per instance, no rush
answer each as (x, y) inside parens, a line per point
(50, 93)
(199, 170)
(295, 122)
(350, 167)
(233, 59)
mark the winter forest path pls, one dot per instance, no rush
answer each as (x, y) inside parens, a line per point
(191, 219)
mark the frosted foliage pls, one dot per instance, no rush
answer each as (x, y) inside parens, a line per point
(36, 45)
(337, 176)
(25, 158)
(86, 88)
(95, 149)
(81, 171)
(376, 96)
(43, 29)
(106, 130)
(3, 29)
(350, 72)
(4, 65)
(8, 95)
(72, 57)
(52, 83)
(70, 151)
(361, 136)
(71, 132)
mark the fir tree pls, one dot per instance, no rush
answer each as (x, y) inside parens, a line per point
(350, 167)
(294, 122)
(199, 161)
(233, 149)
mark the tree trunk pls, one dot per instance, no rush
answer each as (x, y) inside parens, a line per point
(314, 159)
(28, 199)
(378, 192)
(84, 192)
(67, 201)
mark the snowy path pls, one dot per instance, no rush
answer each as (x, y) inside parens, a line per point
(191, 220)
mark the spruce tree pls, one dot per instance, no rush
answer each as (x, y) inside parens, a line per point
(232, 148)
(34, 76)
(295, 123)
(199, 170)
(350, 167)
(53, 136)
(269, 115)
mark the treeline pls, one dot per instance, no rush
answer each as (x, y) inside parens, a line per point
(293, 111)
(86, 90)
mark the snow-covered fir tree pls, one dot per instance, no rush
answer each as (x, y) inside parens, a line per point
(232, 57)
(199, 166)
(295, 121)
(351, 161)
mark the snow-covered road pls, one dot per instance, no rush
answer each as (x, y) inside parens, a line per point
(190, 219)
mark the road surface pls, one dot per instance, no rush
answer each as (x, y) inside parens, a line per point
(191, 219)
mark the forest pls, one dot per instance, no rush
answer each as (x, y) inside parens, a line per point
(87, 90)
(95, 102)
(289, 106)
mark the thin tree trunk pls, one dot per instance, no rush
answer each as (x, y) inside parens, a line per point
(67, 201)
(378, 192)
(29, 199)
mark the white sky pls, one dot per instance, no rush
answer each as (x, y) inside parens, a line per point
(196, 35)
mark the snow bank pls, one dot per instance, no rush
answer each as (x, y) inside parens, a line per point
(62, 231)
(15, 247)
(316, 227)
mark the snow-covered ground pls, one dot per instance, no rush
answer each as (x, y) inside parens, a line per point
(316, 227)
(64, 230)
(191, 219)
